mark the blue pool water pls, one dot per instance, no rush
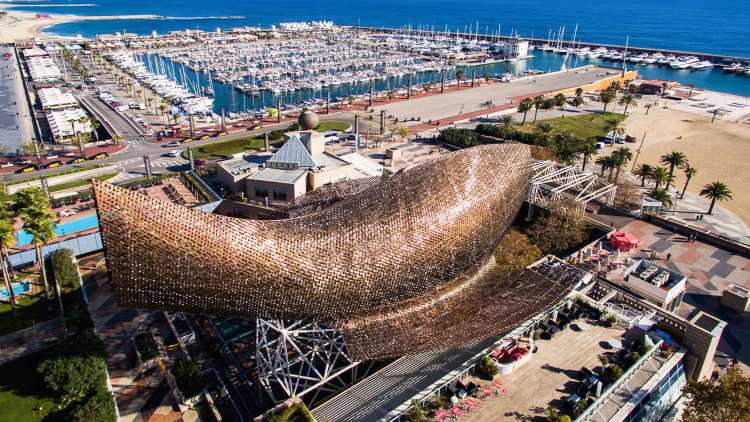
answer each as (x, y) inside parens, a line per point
(88, 222)
(18, 288)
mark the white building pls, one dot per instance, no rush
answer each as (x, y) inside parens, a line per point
(43, 69)
(62, 123)
(660, 286)
(54, 99)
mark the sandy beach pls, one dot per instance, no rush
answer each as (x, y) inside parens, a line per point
(720, 151)
(16, 25)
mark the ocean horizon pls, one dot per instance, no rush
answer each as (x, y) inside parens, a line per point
(686, 25)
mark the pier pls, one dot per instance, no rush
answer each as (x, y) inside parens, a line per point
(538, 42)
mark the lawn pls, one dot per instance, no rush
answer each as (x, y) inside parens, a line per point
(29, 310)
(79, 183)
(255, 143)
(336, 125)
(583, 127)
(22, 394)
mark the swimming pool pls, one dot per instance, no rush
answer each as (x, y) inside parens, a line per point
(18, 289)
(84, 223)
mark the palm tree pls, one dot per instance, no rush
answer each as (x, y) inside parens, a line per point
(690, 172)
(506, 123)
(648, 107)
(38, 222)
(716, 191)
(605, 162)
(543, 133)
(614, 126)
(606, 97)
(559, 100)
(673, 159)
(538, 103)
(627, 101)
(621, 157)
(660, 175)
(565, 147)
(7, 238)
(586, 149)
(615, 86)
(644, 171)
(460, 74)
(661, 195)
(95, 125)
(524, 107)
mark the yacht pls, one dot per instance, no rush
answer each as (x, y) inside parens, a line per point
(638, 59)
(702, 65)
(666, 60)
(684, 62)
(733, 68)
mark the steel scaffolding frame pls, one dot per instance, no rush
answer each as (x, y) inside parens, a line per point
(299, 356)
(554, 185)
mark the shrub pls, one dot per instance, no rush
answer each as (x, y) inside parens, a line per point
(462, 138)
(563, 418)
(71, 378)
(487, 367)
(99, 407)
(146, 346)
(189, 378)
(612, 373)
(416, 412)
(633, 358)
(64, 268)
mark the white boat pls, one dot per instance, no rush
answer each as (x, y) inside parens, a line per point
(702, 65)
(666, 60)
(684, 62)
(734, 68)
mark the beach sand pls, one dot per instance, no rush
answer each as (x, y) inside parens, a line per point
(720, 151)
(16, 25)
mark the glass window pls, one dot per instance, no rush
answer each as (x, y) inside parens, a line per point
(261, 192)
(279, 195)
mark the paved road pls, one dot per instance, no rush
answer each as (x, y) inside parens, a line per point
(121, 126)
(15, 124)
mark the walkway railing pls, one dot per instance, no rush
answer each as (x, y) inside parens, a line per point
(620, 383)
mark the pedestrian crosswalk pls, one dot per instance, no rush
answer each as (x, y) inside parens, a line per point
(133, 168)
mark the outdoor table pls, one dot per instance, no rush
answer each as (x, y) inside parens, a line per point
(485, 390)
(457, 411)
(440, 415)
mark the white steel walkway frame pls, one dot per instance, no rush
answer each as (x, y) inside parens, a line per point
(299, 356)
(554, 185)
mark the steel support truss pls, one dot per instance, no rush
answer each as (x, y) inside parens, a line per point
(298, 357)
(554, 185)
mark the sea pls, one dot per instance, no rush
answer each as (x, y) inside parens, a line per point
(719, 27)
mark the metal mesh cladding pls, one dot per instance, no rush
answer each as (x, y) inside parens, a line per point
(388, 243)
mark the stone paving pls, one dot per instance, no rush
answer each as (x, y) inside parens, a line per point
(709, 270)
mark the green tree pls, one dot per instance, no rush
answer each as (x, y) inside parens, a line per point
(7, 239)
(538, 103)
(615, 86)
(716, 191)
(524, 107)
(515, 252)
(98, 407)
(587, 149)
(557, 232)
(565, 147)
(37, 221)
(403, 132)
(727, 399)
(543, 133)
(613, 125)
(621, 157)
(690, 172)
(660, 175)
(673, 159)
(506, 124)
(661, 195)
(605, 163)
(606, 97)
(189, 377)
(628, 101)
(72, 378)
(65, 268)
(559, 100)
(487, 367)
(460, 75)
(644, 171)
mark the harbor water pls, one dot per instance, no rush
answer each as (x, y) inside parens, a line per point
(231, 100)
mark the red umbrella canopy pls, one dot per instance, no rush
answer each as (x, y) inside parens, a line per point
(623, 241)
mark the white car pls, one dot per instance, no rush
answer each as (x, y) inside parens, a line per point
(172, 144)
(174, 153)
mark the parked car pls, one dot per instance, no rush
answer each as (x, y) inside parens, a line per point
(174, 153)
(172, 144)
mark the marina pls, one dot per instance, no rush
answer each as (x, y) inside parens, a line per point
(292, 67)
